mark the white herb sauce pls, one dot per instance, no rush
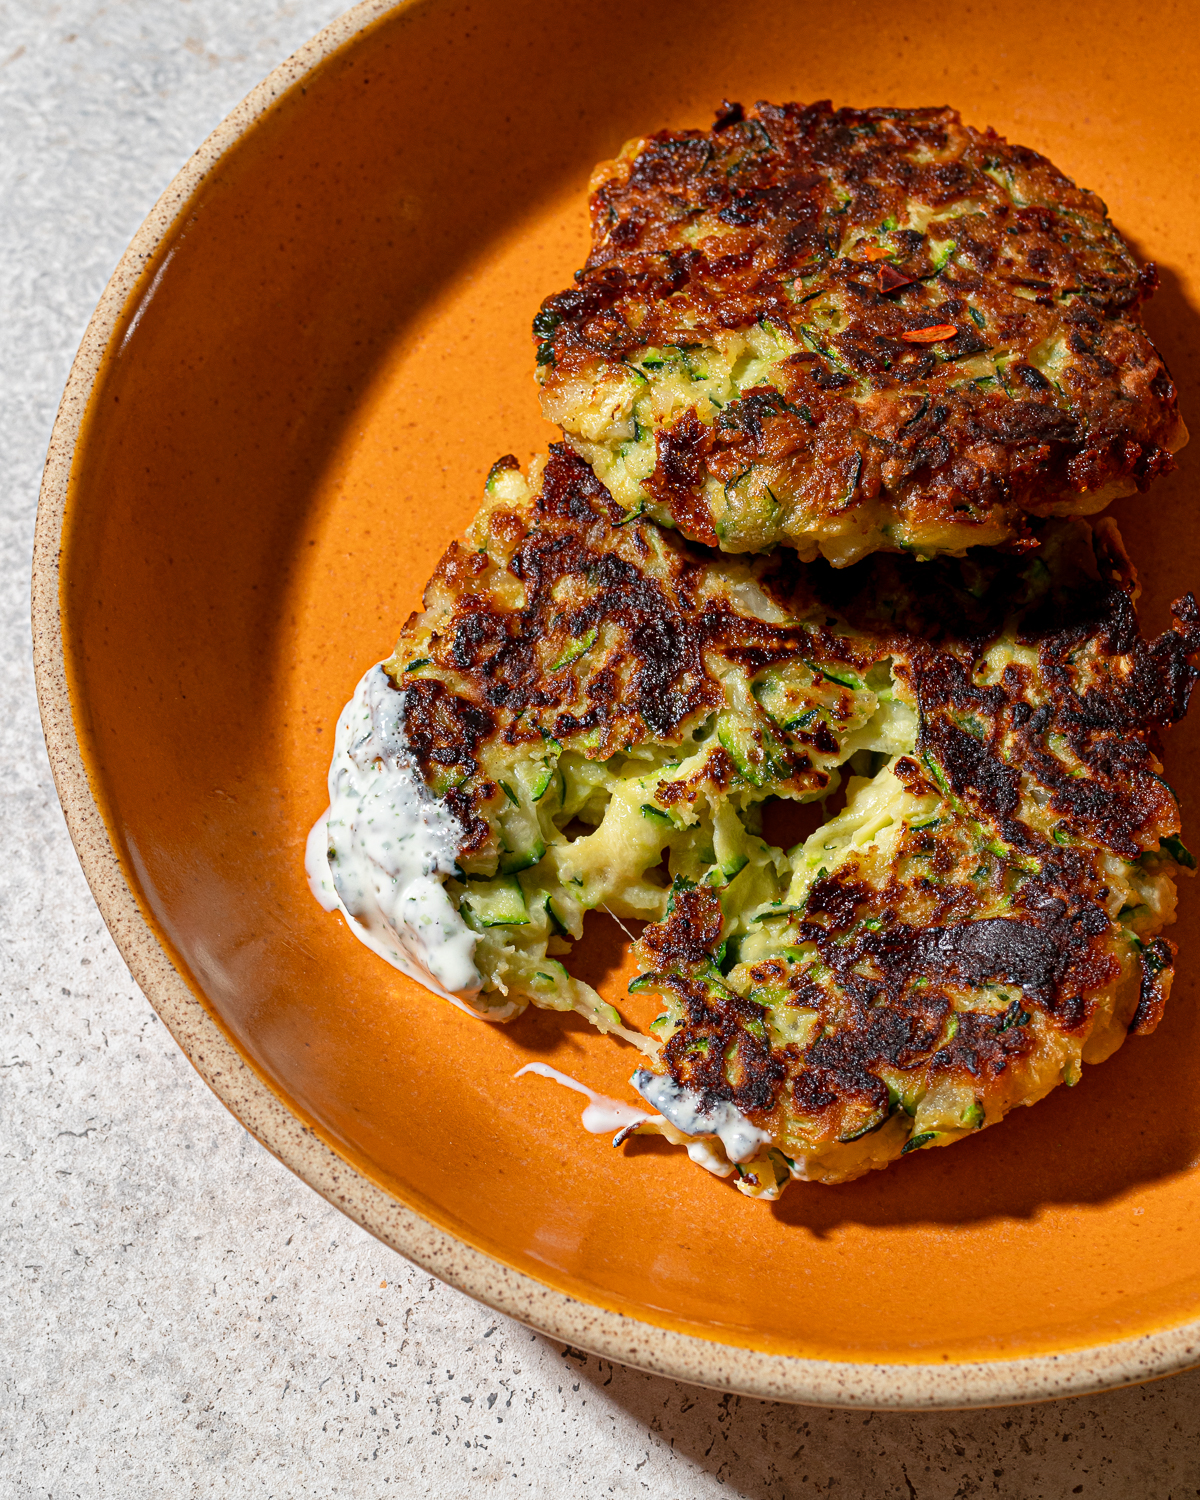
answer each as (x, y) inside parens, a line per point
(602, 1114)
(684, 1109)
(379, 851)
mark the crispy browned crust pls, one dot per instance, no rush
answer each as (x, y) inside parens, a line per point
(700, 232)
(1100, 691)
(491, 658)
(1077, 734)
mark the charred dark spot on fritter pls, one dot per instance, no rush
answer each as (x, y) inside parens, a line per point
(463, 802)
(444, 732)
(717, 774)
(678, 475)
(834, 900)
(571, 492)
(968, 764)
(912, 777)
(443, 729)
(1107, 691)
(836, 1068)
(722, 1051)
(1050, 948)
(1158, 969)
(985, 1044)
(687, 936)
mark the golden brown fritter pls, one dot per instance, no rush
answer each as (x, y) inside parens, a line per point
(849, 330)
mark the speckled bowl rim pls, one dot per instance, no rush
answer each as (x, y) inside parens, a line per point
(248, 1096)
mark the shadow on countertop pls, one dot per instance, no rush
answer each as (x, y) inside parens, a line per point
(1139, 1443)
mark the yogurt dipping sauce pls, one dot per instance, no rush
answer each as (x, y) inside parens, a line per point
(378, 851)
(379, 855)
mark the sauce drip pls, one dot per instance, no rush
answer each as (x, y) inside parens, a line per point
(602, 1114)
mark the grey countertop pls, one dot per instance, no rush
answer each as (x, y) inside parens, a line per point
(178, 1315)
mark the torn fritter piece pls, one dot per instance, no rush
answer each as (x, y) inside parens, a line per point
(985, 914)
(578, 718)
(854, 330)
(590, 712)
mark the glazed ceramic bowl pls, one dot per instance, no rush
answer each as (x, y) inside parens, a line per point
(282, 411)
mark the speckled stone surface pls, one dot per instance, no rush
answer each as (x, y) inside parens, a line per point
(178, 1314)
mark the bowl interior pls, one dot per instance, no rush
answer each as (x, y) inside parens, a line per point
(298, 410)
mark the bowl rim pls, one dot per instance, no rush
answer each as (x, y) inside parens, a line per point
(249, 1097)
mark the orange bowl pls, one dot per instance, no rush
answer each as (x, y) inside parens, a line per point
(282, 411)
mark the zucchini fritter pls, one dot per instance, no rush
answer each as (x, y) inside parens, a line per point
(602, 713)
(850, 330)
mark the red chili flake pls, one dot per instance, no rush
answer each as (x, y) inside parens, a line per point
(932, 335)
(891, 280)
(875, 252)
